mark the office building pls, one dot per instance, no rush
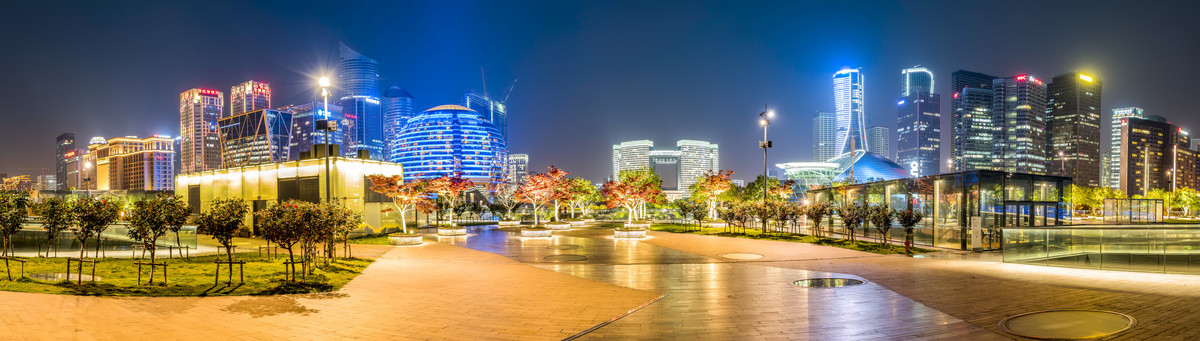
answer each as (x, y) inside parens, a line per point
(1073, 113)
(851, 119)
(249, 96)
(695, 159)
(80, 171)
(1112, 155)
(824, 136)
(1155, 155)
(1021, 103)
(491, 109)
(915, 79)
(47, 182)
(975, 131)
(397, 109)
(453, 140)
(304, 123)
(518, 168)
(255, 137)
(64, 144)
(131, 164)
(358, 82)
(878, 138)
(678, 168)
(631, 155)
(200, 143)
(919, 133)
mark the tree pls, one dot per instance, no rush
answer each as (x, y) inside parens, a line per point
(504, 194)
(222, 221)
(881, 217)
(764, 189)
(341, 221)
(175, 214)
(1168, 200)
(686, 207)
(14, 207)
(852, 215)
(709, 189)
(581, 194)
(908, 219)
(94, 216)
(633, 191)
(57, 215)
(540, 189)
(815, 212)
(1189, 199)
(279, 224)
(405, 196)
(449, 189)
(147, 223)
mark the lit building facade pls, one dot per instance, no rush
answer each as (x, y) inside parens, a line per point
(1021, 102)
(358, 80)
(131, 164)
(975, 129)
(631, 155)
(249, 96)
(919, 133)
(916, 79)
(1112, 156)
(304, 123)
(451, 139)
(255, 137)
(1155, 155)
(824, 135)
(492, 110)
(518, 168)
(879, 141)
(63, 145)
(696, 158)
(678, 168)
(1073, 113)
(397, 109)
(200, 141)
(851, 117)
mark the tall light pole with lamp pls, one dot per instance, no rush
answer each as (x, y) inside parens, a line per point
(764, 119)
(326, 126)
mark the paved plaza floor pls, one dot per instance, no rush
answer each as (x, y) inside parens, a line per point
(494, 284)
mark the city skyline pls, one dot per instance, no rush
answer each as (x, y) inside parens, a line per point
(794, 84)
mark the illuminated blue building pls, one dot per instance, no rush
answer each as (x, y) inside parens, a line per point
(851, 118)
(397, 109)
(358, 81)
(304, 122)
(452, 139)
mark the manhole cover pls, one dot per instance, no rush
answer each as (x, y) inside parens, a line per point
(827, 282)
(565, 258)
(58, 276)
(1067, 324)
(563, 247)
(741, 256)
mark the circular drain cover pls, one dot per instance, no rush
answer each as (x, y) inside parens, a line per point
(563, 247)
(58, 276)
(741, 256)
(1067, 324)
(827, 282)
(565, 258)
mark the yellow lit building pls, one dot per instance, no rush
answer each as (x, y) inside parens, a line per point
(267, 184)
(132, 164)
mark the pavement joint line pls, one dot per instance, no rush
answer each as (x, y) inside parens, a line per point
(605, 323)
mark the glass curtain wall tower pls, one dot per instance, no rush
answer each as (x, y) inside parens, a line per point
(1112, 155)
(878, 138)
(851, 119)
(824, 136)
(358, 80)
(1073, 111)
(397, 109)
(974, 129)
(200, 145)
(1020, 103)
(919, 124)
(492, 110)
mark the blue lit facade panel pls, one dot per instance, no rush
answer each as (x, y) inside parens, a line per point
(452, 139)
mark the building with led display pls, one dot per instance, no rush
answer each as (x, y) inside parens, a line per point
(975, 131)
(849, 104)
(304, 122)
(255, 137)
(824, 135)
(1021, 102)
(249, 96)
(200, 143)
(1073, 113)
(452, 139)
(397, 109)
(1112, 156)
(493, 110)
(130, 164)
(919, 124)
(518, 168)
(879, 141)
(359, 97)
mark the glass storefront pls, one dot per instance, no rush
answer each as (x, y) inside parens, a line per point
(1162, 249)
(1133, 211)
(961, 210)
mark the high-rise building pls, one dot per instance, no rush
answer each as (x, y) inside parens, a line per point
(631, 155)
(851, 117)
(493, 110)
(397, 109)
(916, 79)
(1112, 155)
(304, 123)
(696, 158)
(1155, 155)
(1073, 113)
(47, 182)
(1021, 103)
(824, 136)
(200, 143)
(918, 133)
(249, 96)
(878, 138)
(975, 132)
(131, 164)
(80, 171)
(452, 140)
(358, 80)
(678, 168)
(255, 137)
(518, 168)
(64, 144)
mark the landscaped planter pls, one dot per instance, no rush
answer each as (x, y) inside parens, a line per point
(629, 233)
(401, 239)
(577, 223)
(588, 220)
(452, 231)
(558, 226)
(535, 233)
(510, 222)
(644, 225)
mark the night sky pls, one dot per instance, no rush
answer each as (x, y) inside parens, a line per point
(591, 73)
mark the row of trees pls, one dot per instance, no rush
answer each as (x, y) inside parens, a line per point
(1183, 199)
(783, 215)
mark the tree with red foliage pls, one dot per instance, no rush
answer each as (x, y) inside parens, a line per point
(710, 187)
(633, 191)
(450, 188)
(405, 196)
(541, 189)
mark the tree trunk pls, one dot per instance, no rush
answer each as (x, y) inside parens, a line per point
(556, 210)
(403, 222)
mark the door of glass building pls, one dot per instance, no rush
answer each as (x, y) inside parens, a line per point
(1031, 213)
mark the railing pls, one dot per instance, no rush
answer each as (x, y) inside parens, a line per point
(1160, 249)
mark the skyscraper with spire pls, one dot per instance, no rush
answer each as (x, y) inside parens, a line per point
(358, 95)
(851, 117)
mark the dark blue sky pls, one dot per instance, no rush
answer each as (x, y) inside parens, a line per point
(591, 73)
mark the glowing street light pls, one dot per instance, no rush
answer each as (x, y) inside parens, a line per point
(326, 126)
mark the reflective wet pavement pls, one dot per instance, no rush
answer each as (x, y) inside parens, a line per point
(711, 298)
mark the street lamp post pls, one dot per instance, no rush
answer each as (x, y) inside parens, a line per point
(1062, 156)
(764, 119)
(326, 126)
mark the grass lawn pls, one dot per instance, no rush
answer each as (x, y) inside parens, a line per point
(185, 277)
(371, 239)
(751, 233)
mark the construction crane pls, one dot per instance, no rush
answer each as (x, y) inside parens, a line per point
(509, 92)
